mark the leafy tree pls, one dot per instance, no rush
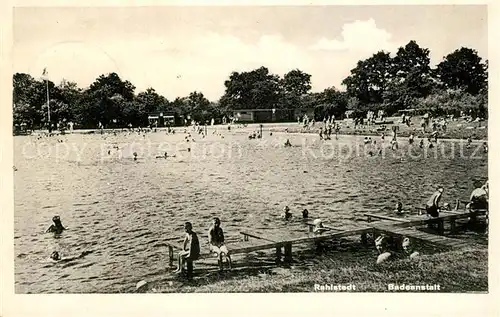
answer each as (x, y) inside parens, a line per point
(369, 79)
(463, 69)
(295, 84)
(257, 89)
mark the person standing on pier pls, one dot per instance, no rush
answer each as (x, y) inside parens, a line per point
(432, 206)
(216, 242)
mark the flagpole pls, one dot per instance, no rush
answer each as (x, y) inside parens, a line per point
(48, 104)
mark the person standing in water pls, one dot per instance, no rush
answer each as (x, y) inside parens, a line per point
(57, 227)
(288, 214)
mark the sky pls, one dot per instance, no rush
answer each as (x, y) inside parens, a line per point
(177, 50)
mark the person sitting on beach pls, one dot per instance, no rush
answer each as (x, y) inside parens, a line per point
(305, 214)
(216, 242)
(287, 143)
(478, 197)
(381, 243)
(432, 205)
(57, 227)
(408, 248)
(190, 249)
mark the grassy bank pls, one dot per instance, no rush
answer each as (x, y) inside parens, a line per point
(455, 271)
(459, 129)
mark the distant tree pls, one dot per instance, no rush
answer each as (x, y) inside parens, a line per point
(147, 102)
(257, 89)
(199, 107)
(369, 79)
(105, 98)
(295, 85)
(463, 69)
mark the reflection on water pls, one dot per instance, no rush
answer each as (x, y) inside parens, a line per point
(123, 210)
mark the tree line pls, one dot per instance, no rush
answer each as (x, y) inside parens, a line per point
(459, 83)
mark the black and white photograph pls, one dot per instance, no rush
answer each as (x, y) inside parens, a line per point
(250, 149)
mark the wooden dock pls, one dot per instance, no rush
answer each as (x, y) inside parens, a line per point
(425, 237)
(392, 226)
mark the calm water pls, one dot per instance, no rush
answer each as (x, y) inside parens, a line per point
(121, 210)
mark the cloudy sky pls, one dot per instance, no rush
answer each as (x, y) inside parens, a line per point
(177, 50)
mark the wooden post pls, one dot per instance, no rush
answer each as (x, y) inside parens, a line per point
(288, 253)
(245, 237)
(189, 268)
(170, 255)
(369, 219)
(440, 226)
(278, 254)
(311, 228)
(453, 226)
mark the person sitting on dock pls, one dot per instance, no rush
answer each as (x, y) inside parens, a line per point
(318, 226)
(57, 227)
(432, 206)
(191, 247)
(288, 214)
(216, 242)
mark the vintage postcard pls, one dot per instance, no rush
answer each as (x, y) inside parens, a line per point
(322, 149)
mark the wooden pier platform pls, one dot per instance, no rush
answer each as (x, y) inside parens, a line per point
(438, 240)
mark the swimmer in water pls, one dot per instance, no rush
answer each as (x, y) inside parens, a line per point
(162, 156)
(135, 156)
(56, 256)
(57, 227)
(288, 214)
(399, 208)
